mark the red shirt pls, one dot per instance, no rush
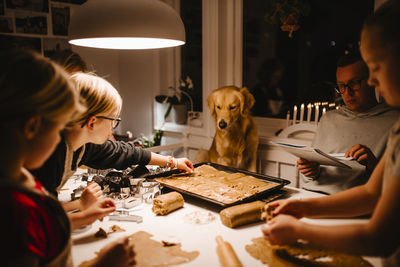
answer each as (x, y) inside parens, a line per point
(29, 224)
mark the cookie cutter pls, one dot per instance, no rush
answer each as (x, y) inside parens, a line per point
(124, 215)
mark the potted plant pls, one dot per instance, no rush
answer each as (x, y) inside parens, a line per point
(143, 141)
(287, 13)
(176, 102)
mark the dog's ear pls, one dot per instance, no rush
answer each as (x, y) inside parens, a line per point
(248, 101)
(211, 103)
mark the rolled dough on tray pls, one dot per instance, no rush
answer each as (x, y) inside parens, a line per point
(218, 185)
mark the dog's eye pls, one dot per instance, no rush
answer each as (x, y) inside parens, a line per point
(232, 107)
(218, 107)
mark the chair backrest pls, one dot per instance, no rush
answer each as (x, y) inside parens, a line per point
(304, 131)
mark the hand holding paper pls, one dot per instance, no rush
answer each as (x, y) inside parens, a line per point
(363, 155)
(308, 168)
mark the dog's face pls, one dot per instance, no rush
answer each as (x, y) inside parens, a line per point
(229, 104)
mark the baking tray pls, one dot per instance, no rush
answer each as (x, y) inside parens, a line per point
(278, 181)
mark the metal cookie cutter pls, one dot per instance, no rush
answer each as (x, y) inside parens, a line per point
(124, 215)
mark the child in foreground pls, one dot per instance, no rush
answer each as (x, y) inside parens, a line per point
(380, 196)
(37, 100)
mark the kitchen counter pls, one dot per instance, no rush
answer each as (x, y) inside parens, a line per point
(175, 227)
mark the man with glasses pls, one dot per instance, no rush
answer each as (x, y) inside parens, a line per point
(359, 129)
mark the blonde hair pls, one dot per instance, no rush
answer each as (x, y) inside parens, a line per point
(32, 85)
(100, 96)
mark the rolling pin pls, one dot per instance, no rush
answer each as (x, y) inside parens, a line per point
(243, 214)
(226, 254)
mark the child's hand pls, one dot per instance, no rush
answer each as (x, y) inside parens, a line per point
(90, 195)
(293, 207)
(185, 165)
(117, 254)
(281, 230)
(99, 209)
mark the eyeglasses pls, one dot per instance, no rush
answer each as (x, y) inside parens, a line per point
(353, 85)
(115, 121)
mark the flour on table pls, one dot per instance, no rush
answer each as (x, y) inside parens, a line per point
(199, 217)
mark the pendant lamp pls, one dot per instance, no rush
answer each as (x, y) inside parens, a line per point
(126, 24)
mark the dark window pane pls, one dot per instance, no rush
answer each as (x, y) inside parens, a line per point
(192, 50)
(302, 67)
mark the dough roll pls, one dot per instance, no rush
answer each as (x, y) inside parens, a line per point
(243, 214)
(164, 204)
(226, 254)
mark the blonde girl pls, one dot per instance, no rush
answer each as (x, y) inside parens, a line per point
(86, 142)
(37, 100)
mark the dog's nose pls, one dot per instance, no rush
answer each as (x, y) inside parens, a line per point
(222, 124)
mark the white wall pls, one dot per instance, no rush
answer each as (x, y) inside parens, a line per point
(134, 74)
(138, 74)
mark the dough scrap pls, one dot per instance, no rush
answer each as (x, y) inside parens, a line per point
(151, 253)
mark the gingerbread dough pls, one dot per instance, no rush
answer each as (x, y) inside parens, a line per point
(151, 253)
(242, 214)
(300, 255)
(164, 204)
(218, 185)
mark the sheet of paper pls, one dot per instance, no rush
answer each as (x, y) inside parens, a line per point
(311, 154)
(340, 156)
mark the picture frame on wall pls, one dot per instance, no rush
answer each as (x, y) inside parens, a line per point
(13, 41)
(30, 23)
(31, 5)
(76, 2)
(60, 20)
(6, 25)
(54, 45)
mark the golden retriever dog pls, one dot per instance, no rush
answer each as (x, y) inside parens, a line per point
(236, 140)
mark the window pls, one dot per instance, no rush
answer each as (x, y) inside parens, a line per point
(283, 71)
(191, 53)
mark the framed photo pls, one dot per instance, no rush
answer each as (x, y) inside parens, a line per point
(77, 2)
(60, 20)
(53, 45)
(32, 5)
(30, 23)
(6, 25)
(13, 41)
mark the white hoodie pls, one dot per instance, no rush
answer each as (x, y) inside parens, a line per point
(340, 129)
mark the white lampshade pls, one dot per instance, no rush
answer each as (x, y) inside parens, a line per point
(126, 24)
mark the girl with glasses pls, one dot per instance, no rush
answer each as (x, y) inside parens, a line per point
(37, 100)
(86, 141)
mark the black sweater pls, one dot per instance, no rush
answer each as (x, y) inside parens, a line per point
(118, 155)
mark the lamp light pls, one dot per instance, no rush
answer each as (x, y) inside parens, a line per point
(126, 24)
